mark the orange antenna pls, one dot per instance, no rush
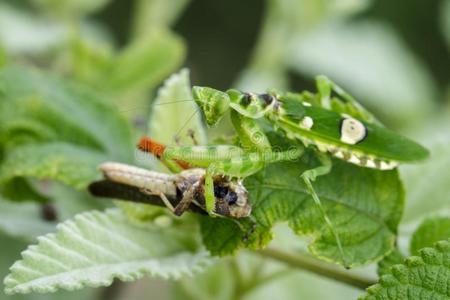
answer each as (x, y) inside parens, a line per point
(149, 145)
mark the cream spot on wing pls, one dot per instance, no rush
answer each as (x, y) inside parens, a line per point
(388, 165)
(322, 147)
(371, 164)
(306, 103)
(306, 123)
(339, 154)
(352, 131)
(354, 159)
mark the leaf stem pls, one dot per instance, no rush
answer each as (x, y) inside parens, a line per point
(310, 264)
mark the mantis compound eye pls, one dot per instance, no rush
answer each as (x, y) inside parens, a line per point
(352, 131)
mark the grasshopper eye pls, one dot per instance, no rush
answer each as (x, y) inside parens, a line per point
(220, 191)
(352, 131)
(232, 198)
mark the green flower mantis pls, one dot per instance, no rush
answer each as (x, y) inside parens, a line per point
(331, 122)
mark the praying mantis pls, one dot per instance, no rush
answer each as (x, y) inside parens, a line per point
(330, 122)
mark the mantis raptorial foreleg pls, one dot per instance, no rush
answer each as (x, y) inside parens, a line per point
(251, 136)
(242, 166)
(308, 177)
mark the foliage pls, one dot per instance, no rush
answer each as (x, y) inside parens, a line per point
(76, 80)
(429, 232)
(420, 277)
(364, 215)
(95, 247)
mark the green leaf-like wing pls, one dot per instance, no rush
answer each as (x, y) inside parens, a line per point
(96, 247)
(429, 232)
(364, 205)
(420, 277)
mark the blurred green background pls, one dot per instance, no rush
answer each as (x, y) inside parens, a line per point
(392, 55)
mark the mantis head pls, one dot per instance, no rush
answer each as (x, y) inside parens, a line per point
(212, 102)
(215, 103)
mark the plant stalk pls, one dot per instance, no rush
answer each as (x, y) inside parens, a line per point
(312, 265)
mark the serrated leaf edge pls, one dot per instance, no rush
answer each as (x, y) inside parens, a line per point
(186, 267)
(427, 255)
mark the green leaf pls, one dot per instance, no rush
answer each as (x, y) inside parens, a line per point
(20, 189)
(38, 107)
(71, 8)
(10, 252)
(54, 129)
(175, 119)
(23, 220)
(394, 258)
(155, 13)
(364, 205)
(145, 62)
(73, 165)
(40, 33)
(429, 232)
(95, 247)
(429, 180)
(420, 277)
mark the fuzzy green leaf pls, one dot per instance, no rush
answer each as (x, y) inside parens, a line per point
(54, 129)
(22, 220)
(429, 232)
(146, 62)
(174, 119)
(420, 277)
(364, 205)
(73, 165)
(394, 258)
(36, 108)
(96, 247)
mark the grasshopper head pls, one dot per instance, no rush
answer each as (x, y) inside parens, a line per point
(231, 198)
(213, 103)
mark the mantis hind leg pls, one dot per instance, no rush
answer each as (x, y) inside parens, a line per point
(308, 177)
(347, 103)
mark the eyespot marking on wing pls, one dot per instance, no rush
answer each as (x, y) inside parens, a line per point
(352, 131)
